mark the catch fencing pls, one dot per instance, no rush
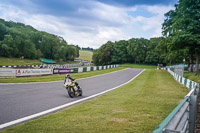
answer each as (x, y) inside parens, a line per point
(178, 69)
(192, 67)
(182, 118)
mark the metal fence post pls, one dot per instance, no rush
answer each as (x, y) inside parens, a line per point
(192, 115)
(196, 92)
(193, 109)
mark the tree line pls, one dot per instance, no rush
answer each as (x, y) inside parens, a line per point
(180, 42)
(135, 50)
(17, 39)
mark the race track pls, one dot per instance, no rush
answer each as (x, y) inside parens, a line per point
(25, 99)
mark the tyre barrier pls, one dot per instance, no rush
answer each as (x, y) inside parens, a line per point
(182, 118)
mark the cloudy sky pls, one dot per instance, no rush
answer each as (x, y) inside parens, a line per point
(90, 23)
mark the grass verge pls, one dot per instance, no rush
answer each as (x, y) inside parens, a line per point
(136, 107)
(16, 61)
(192, 76)
(139, 66)
(57, 77)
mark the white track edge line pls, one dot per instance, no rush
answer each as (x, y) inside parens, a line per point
(62, 106)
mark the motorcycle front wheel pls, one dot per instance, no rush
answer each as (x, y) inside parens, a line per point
(80, 92)
(71, 92)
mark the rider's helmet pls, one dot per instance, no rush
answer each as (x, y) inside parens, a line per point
(67, 75)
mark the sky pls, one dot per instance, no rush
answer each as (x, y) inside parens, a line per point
(90, 23)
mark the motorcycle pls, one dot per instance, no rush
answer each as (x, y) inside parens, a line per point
(73, 89)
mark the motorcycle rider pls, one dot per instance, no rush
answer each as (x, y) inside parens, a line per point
(69, 79)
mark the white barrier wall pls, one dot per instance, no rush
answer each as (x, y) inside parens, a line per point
(7, 73)
(95, 68)
(88, 69)
(100, 67)
(80, 69)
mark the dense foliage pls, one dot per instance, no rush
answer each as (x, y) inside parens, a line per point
(141, 51)
(181, 29)
(17, 39)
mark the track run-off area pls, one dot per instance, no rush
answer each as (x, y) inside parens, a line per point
(20, 102)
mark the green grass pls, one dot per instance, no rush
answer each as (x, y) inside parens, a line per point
(192, 76)
(16, 61)
(85, 55)
(139, 66)
(57, 77)
(66, 62)
(137, 107)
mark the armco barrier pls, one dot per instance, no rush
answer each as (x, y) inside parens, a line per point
(182, 118)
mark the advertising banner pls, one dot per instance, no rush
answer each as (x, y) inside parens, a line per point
(33, 72)
(62, 71)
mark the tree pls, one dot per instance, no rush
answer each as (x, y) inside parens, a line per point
(137, 49)
(17, 39)
(120, 52)
(96, 57)
(182, 26)
(102, 56)
(3, 31)
(5, 50)
(153, 54)
(71, 52)
(134, 50)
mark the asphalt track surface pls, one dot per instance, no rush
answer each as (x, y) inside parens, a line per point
(25, 99)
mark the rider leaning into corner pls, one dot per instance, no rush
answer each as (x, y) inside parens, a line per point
(69, 79)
